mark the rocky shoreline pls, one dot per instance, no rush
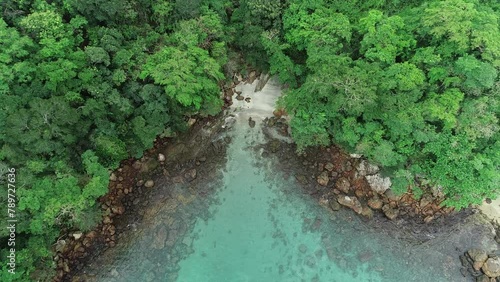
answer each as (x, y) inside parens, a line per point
(341, 180)
(336, 179)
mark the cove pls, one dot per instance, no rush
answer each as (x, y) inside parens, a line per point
(259, 226)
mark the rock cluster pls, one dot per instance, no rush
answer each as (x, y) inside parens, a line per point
(480, 264)
(360, 186)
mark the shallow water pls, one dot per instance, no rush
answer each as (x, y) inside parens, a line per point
(260, 227)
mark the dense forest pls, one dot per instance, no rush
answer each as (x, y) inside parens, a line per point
(84, 84)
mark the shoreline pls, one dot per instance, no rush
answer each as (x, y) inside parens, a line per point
(304, 171)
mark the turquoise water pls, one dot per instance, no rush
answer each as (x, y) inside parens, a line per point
(263, 231)
(259, 227)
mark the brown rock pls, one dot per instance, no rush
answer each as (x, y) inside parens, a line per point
(425, 200)
(375, 203)
(323, 179)
(329, 166)
(389, 212)
(351, 202)
(367, 212)
(107, 220)
(112, 177)
(240, 98)
(334, 204)
(359, 193)
(149, 184)
(483, 278)
(343, 185)
(492, 267)
(478, 256)
(428, 219)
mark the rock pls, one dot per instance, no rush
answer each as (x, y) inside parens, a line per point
(329, 166)
(251, 77)
(378, 183)
(323, 179)
(113, 177)
(425, 200)
(375, 203)
(248, 99)
(483, 278)
(365, 168)
(343, 185)
(367, 212)
(365, 256)
(139, 183)
(355, 156)
(351, 202)
(137, 165)
(251, 122)
(149, 184)
(240, 98)
(60, 245)
(392, 196)
(107, 220)
(492, 267)
(159, 238)
(478, 256)
(389, 212)
(161, 157)
(334, 204)
(301, 179)
(77, 235)
(190, 175)
(191, 121)
(428, 219)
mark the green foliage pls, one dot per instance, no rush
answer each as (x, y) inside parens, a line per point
(415, 89)
(76, 84)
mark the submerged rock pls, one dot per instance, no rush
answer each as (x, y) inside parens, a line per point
(352, 203)
(323, 178)
(251, 122)
(389, 212)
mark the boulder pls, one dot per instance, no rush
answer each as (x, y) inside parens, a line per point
(77, 235)
(365, 168)
(112, 177)
(483, 278)
(323, 179)
(161, 157)
(329, 166)
(251, 122)
(367, 212)
(149, 184)
(334, 204)
(375, 203)
(492, 267)
(378, 183)
(389, 212)
(478, 256)
(343, 185)
(240, 98)
(392, 196)
(351, 202)
(425, 200)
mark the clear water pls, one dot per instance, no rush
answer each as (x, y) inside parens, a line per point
(262, 228)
